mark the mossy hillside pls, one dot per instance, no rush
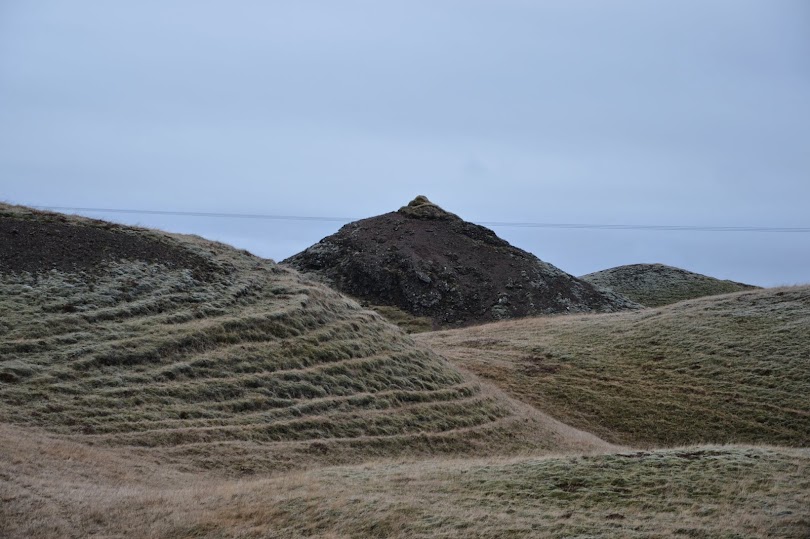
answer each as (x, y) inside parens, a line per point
(655, 285)
(207, 393)
(724, 369)
(245, 367)
(408, 322)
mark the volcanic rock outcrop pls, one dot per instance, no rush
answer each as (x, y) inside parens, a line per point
(429, 262)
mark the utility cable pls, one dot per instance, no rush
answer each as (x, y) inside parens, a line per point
(589, 226)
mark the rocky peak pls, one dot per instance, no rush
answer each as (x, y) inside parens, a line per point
(431, 263)
(422, 208)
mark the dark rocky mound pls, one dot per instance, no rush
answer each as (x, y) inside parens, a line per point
(654, 285)
(430, 262)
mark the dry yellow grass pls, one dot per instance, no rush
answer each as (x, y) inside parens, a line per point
(236, 399)
(247, 368)
(711, 491)
(725, 369)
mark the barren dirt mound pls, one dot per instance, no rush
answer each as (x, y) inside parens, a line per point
(654, 285)
(38, 242)
(430, 262)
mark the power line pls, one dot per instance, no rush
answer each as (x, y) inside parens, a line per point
(201, 214)
(696, 228)
(589, 226)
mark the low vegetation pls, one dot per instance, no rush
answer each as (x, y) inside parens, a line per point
(725, 369)
(245, 368)
(655, 285)
(157, 385)
(711, 491)
(405, 320)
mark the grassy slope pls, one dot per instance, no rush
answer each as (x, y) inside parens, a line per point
(408, 322)
(254, 369)
(125, 393)
(655, 285)
(76, 491)
(733, 368)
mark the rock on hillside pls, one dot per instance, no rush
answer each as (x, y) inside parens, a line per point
(429, 262)
(654, 285)
(197, 354)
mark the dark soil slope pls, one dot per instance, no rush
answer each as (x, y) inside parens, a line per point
(430, 262)
(40, 241)
(654, 285)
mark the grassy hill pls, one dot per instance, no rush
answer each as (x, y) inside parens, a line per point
(209, 357)
(72, 490)
(158, 385)
(732, 368)
(655, 285)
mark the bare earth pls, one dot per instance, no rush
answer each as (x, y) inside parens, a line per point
(430, 263)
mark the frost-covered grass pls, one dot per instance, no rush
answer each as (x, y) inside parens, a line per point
(703, 491)
(245, 368)
(725, 369)
(655, 285)
(141, 399)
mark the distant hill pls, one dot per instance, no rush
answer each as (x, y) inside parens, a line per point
(430, 263)
(207, 357)
(654, 285)
(724, 369)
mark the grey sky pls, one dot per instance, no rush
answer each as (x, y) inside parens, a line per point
(693, 112)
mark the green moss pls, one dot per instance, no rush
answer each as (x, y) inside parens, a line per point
(655, 285)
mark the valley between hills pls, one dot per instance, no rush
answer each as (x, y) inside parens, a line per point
(162, 385)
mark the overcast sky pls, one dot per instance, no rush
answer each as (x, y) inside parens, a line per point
(695, 112)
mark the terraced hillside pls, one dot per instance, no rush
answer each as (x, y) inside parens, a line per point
(732, 368)
(157, 385)
(201, 355)
(655, 285)
(72, 490)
